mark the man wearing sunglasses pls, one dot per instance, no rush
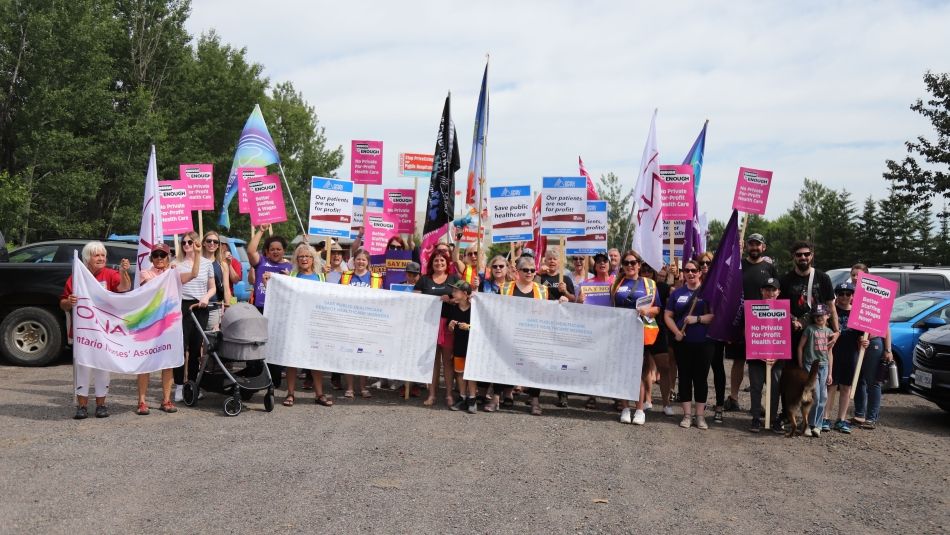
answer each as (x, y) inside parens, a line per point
(806, 288)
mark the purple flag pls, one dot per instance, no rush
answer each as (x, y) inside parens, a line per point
(722, 288)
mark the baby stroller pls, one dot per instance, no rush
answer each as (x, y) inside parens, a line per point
(241, 340)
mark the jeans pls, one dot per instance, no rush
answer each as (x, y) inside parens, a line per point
(867, 397)
(757, 385)
(817, 412)
(719, 372)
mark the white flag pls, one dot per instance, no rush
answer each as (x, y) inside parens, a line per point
(131, 332)
(648, 236)
(150, 231)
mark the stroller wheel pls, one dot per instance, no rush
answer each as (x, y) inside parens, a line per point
(190, 394)
(269, 402)
(232, 406)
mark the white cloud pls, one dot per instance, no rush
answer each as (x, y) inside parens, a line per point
(818, 90)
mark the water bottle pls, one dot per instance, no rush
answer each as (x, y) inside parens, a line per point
(893, 381)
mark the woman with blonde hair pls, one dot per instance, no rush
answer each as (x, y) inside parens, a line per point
(212, 250)
(498, 275)
(304, 268)
(195, 296)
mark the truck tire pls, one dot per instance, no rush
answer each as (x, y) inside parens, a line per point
(31, 336)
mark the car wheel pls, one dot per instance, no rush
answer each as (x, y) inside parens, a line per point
(31, 336)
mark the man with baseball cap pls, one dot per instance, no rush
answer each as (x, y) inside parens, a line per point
(757, 269)
(413, 272)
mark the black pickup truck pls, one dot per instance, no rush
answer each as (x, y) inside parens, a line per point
(32, 326)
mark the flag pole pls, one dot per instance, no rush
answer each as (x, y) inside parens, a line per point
(480, 262)
(292, 201)
(745, 225)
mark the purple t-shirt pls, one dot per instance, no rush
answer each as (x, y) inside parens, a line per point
(679, 303)
(266, 266)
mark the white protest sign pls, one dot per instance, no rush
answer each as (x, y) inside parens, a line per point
(563, 205)
(346, 329)
(564, 347)
(594, 239)
(331, 207)
(510, 214)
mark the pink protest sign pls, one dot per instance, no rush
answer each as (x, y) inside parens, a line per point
(243, 175)
(768, 330)
(200, 179)
(366, 162)
(677, 193)
(379, 228)
(873, 301)
(752, 191)
(401, 205)
(266, 200)
(176, 207)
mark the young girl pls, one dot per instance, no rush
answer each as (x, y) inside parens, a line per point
(460, 319)
(814, 349)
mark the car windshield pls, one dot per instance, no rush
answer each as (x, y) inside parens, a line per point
(908, 306)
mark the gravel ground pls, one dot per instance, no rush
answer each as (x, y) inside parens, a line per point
(392, 466)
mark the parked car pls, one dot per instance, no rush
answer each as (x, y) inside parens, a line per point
(242, 290)
(913, 315)
(931, 377)
(32, 326)
(910, 277)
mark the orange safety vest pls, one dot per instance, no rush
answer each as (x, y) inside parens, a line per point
(375, 279)
(537, 291)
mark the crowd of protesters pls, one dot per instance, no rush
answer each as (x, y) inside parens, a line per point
(678, 354)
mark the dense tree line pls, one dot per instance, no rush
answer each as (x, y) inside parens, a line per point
(86, 86)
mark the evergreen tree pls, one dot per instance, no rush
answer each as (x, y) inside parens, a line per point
(618, 208)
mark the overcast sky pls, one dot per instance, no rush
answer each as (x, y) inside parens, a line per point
(818, 90)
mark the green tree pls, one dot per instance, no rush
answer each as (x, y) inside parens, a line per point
(610, 190)
(942, 250)
(914, 183)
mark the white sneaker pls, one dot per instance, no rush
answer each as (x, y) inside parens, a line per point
(701, 422)
(816, 432)
(668, 410)
(807, 431)
(647, 405)
(625, 416)
(686, 422)
(179, 396)
(639, 417)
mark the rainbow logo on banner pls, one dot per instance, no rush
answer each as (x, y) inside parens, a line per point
(153, 319)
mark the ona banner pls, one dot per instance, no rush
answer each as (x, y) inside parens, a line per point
(563, 206)
(267, 200)
(752, 191)
(244, 174)
(380, 228)
(346, 329)
(200, 180)
(594, 239)
(595, 293)
(415, 165)
(176, 207)
(131, 332)
(401, 205)
(768, 329)
(366, 162)
(872, 305)
(372, 205)
(510, 214)
(331, 207)
(677, 192)
(565, 347)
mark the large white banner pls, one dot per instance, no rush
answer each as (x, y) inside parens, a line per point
(132, 332)
(346, 329)
(565, 347)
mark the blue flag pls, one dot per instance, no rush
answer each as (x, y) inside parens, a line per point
(722, 287)
(255, 148)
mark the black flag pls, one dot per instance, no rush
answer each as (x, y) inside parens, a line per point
(440, 205)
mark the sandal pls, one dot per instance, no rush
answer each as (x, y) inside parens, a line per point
(490, 407)
(429, 402)
(365, 393)
(169, 407)
(323, 400)
(349, 395)
(142, 410)
(591, 403)
(289, 401)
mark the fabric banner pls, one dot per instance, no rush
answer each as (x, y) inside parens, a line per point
(255, 148)
(768, 329)
(132, 332)
(565, 347)
(648, 234)
(150, 229)
(346, 329)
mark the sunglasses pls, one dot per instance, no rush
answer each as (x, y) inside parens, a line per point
(305, 256)
(690, 270)
(188, 242)
(471, 254)
(212, 242)
(630, 262)
(803, 255)
(527, 271)
(705, 263)
(394, 246)
(499, 266)
(160, 255)
(846, 294)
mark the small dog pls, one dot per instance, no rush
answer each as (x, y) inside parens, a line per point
(798, 394)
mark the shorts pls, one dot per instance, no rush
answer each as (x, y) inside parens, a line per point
(842, 369)
(214, 319)
(735, 351)
(459, 364)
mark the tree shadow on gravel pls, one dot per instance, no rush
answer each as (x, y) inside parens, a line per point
(918, 419)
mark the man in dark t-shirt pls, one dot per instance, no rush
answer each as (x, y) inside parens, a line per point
(795, 288)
